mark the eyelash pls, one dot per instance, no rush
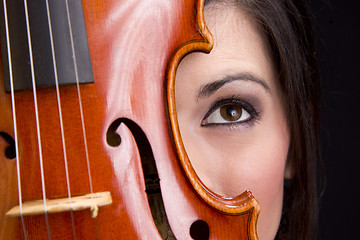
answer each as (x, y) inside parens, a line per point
(254, 115)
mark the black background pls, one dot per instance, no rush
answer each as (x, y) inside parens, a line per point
(338, 32)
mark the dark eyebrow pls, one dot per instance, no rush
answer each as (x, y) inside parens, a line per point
(208, 89)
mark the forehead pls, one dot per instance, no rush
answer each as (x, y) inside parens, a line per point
(233, 28)
(239, 46)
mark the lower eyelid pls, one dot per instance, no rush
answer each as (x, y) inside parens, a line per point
(233, 126)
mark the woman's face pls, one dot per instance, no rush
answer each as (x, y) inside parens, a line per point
(232, 117)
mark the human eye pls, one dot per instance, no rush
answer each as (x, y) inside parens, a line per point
(230, 112)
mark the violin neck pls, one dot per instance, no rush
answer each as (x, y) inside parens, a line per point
(46, 40)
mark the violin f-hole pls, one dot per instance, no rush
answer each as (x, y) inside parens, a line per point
(150, 173)
(9, 151)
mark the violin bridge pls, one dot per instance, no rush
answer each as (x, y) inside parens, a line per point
(89, 201)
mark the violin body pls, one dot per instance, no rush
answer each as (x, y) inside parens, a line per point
(131, 44)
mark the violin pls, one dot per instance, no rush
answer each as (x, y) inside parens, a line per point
(90, 147)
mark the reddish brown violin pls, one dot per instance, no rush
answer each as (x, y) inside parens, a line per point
(89, 141)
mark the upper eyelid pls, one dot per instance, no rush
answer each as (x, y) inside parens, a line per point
(210, 88)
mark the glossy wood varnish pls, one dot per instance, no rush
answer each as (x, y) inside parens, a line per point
(135, 47)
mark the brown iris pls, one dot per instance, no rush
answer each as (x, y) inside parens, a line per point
(231, 112)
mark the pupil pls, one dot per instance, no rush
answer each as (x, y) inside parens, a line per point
(231, 113)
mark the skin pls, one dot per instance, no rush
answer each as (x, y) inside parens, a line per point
(249, 150)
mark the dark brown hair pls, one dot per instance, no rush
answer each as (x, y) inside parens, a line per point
(287, 26)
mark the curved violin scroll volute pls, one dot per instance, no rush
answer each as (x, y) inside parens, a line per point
(242, 204)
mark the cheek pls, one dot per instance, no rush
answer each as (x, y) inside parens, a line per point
(258, 167)
(268, 189)
(252, 160)
(232, 163)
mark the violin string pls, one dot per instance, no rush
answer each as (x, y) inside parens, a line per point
(14, 117)
(36, 116)
(60, 115)
(79, 97)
